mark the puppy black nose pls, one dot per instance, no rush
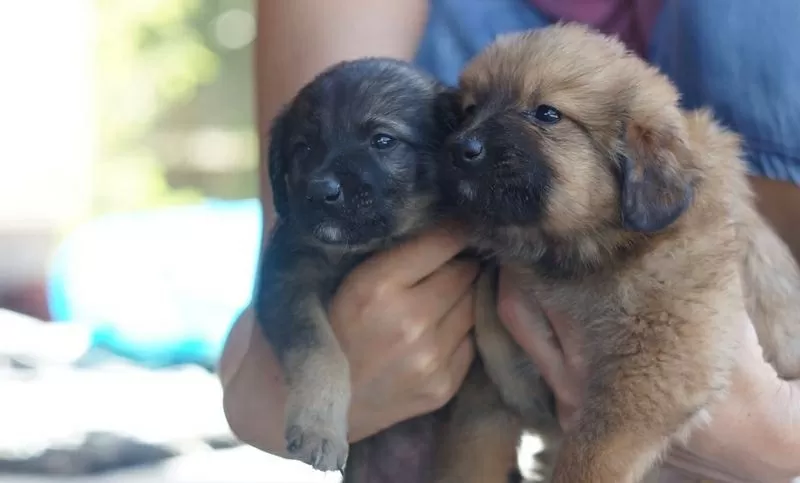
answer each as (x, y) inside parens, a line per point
(325, 189)
(468, 153)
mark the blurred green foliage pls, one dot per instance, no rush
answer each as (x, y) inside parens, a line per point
(150, 58)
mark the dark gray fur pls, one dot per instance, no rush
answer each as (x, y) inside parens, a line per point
(388, 195)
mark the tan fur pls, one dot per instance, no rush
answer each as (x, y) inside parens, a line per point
(479, 443)
(480, 439)
(658, 310)
(317, 398)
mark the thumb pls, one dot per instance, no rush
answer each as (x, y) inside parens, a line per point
(567, 415)
(528, 325)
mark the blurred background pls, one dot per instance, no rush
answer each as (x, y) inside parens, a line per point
(129, 234)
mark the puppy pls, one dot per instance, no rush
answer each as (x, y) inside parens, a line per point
(576, 169)
(352, 164)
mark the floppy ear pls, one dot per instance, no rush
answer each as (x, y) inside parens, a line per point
(655, 189)
(277, 165)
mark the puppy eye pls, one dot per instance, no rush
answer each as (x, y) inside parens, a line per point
(547, 114)
(383, 141)
(300, 148)
(469, 110)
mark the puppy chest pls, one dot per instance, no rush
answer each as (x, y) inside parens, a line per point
(585, 301)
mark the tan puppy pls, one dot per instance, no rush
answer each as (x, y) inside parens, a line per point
(576, 168)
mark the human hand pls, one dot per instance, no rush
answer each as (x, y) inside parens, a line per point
(754, 433)
(402, 318)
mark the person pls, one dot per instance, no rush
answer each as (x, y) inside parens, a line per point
(408, 344)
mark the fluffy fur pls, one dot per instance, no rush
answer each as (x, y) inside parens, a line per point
(352, 167)
(575, 167)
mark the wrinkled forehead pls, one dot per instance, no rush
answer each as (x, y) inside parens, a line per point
(403, 103)
(573, 74)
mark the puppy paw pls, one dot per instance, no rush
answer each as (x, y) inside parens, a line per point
(313, 438)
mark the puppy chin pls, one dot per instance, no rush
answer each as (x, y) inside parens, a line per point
(467, 190)
(460, 191)
(354, 235)
(492, 203)
(330, 232)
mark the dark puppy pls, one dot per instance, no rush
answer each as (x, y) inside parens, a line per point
(352, 167)
(579, 171)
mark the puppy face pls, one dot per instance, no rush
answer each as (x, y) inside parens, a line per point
(566, 133)
(352, 158)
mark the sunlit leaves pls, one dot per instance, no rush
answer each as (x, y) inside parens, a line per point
(148, 58)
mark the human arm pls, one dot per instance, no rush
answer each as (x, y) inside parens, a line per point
(402, 319)
(779, 203)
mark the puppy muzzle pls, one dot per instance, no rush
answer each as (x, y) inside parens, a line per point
(467, 153)
(325, 189)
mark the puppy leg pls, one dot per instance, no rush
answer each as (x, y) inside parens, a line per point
(403, 453)
(293, 319)
(319, 390)
(649, 384)
(478, 441)
(519, 381)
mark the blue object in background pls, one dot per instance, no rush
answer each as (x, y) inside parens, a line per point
(160, 287)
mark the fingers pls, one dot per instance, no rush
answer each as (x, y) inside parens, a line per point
(429, 307)
(442, 290)
(388, 285)
(567, 414)
(537, 339)
(431, 353)
(455, 326)
(564, 333)
(523, 319)
(459, 365)
(412, 261)
(443, 385)
(441, 359)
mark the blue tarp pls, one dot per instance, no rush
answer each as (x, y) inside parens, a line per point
(160, 287)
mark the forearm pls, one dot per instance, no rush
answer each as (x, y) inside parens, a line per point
(253, 391)
(783, 448)
(779, 202)
(298, 39)
(758, 430)
(765, 436)
(749, 438)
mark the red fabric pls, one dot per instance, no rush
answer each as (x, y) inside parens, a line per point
(631, 20)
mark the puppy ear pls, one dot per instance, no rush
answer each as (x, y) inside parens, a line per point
(655, 190)
(448, 109)
(277, 164)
